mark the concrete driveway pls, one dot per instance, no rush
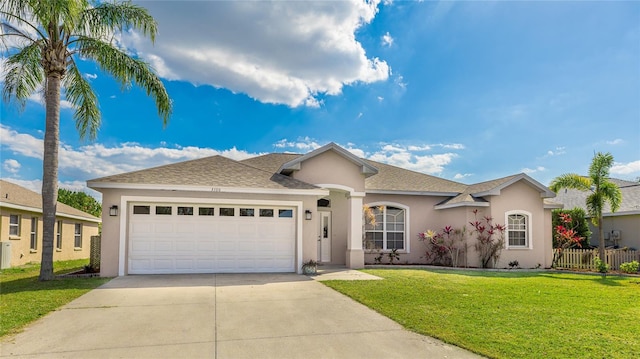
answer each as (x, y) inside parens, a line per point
(219, 316)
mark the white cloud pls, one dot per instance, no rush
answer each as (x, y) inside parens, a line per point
(91, 76)
(97, 160)
(304, 144)
(617, 141)
(276, 52)
(380, 98)
(533, 170)
(460, 176)
(626, 168)
(387, 40)
(12, 166)
(556, 152)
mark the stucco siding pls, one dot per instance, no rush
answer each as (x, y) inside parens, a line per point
(331, 168)
(422, 216)
(628, 225)
(523, 198)
(21, 251)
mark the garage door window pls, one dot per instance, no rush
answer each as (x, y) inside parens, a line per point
(141, 209)
(163, 210)
(285, 213)
(266, 213)
(185, 211)
(206, 211)
(227, 212)
(247, 212)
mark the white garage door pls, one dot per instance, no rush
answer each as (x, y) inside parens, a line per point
(206, 238)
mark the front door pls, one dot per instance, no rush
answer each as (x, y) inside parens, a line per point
(324, 237)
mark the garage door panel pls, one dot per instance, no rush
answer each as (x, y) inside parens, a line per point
(210, 244)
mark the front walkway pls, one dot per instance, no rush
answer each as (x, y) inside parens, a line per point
(220, 316)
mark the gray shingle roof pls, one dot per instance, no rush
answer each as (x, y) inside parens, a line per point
(260, 172)
(392, 178)
(572, 198)
(215, 171)
(11, 193)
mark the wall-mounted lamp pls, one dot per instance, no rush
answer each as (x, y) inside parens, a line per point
(113, 211)
(307, 215)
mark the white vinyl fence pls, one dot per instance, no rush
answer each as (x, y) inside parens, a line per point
(583, 258)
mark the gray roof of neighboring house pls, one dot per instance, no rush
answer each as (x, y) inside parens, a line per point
(572, 198)
(13, 194)
(215, 171)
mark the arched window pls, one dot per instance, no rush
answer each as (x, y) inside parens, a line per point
(386, 227)
(518, 229)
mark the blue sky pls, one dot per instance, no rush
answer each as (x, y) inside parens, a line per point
(468, 91)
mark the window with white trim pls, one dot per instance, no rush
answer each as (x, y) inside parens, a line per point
(77, 236)
(59, 235)
(387, 230)
(14, 225)
(33, 244)
(518, 229)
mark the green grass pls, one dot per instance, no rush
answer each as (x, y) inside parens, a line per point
(24, 299)
(510, 314)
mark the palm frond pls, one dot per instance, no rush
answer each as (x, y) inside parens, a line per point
(23, 74)
(611, 193)
(599, 168)
(572, 181)
(127, 70)
(103, 19)
(80, 93)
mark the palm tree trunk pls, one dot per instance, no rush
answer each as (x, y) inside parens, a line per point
(600, 238)
(50, 173)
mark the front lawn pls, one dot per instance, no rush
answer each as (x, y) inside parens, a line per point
(510, 314)
(24, 299)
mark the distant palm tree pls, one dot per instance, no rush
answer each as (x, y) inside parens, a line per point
(43, 39)
(602, 191)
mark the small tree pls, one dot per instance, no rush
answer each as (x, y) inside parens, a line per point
(490, 239)
(602, 190)
(81, 201)
(564, 237)
(579, 224)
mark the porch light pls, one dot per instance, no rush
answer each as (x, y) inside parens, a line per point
(113, 211)
(307, 215)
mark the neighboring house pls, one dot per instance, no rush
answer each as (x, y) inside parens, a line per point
(21, 228)
(273, 212)
(621, 228)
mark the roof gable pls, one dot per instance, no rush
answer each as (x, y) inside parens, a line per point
(294, 165)
(493, 188)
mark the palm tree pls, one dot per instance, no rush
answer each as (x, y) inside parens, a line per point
(602, 190)
(43, 41)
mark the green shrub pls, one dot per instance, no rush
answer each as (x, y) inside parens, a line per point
(601, 265)
(578, 222)
(630, 267)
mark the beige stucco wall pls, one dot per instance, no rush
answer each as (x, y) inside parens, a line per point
(109, 261)
(20, 245)
(521, 196)
(331, 168)
(422, 216)
(628, 225)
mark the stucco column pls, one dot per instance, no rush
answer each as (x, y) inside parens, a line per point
(355, 254)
